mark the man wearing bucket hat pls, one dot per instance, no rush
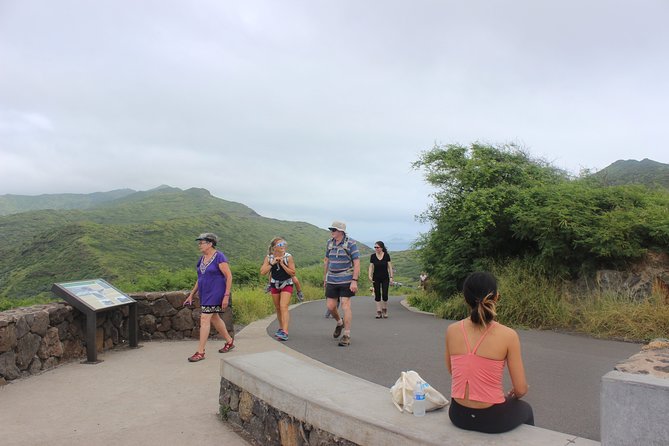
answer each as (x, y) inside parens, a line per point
(342, 269)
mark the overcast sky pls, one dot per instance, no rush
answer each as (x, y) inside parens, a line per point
(314, 110)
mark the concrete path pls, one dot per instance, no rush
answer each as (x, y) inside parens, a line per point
(564, 371)
(146, 396)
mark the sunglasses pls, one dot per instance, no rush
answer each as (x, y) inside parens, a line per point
(377, 247)
(334, 230)
(280, 244)
(202, 242)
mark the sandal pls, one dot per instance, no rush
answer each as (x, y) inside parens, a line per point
(196, 357)
(378, 315)
(227, 347)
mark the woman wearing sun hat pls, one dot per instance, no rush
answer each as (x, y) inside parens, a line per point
(214, 281)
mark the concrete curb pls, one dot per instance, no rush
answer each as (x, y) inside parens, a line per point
(405, 304)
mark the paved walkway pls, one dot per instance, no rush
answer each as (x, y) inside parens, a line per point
(564, 371)
(146, 396)
(153, 396)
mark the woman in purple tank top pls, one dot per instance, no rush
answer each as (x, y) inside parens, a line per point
(214, 280)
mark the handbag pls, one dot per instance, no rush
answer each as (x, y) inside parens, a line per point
(402, 393)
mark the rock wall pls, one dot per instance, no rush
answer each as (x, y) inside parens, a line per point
(653, 359)
(40, 337)
(646, 277)
(268, 425)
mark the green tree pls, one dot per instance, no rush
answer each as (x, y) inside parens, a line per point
(476, 186)
(496, 203)
(578, 226)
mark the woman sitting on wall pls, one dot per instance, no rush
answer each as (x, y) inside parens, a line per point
(478, 401)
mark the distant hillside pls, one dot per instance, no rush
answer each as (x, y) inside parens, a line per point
(14, 204)
(646, 172)
(406, 264)
(137, 233)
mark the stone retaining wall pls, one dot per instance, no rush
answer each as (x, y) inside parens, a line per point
(268, 425)
(40, 337)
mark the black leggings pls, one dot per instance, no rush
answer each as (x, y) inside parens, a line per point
(379, 286)
(493, 420)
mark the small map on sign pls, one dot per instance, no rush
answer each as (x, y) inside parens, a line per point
(97, 294)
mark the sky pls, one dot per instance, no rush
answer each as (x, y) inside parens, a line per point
(315, 110)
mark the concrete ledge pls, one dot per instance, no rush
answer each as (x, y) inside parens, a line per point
(352, 408)
(635, 410)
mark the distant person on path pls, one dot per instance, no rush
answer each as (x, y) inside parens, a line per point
(341, 273)
(423, 280)
(214, 281)
(281, 267)
(478, 402)
(381, 275)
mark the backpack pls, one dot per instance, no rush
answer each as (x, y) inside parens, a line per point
(332, 244)
(280, 284)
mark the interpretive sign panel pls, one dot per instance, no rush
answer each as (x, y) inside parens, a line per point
(92, 297)
(95, 294)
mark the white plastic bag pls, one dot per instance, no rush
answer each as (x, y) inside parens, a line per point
(402, 393)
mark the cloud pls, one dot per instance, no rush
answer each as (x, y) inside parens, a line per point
(314, 111)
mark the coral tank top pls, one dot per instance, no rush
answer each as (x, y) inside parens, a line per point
(484, 375)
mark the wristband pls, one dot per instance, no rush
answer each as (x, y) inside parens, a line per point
(354, 280)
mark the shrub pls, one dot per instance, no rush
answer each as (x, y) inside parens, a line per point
(530, 300)
(494, 203)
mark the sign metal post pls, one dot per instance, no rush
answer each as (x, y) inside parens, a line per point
(96, 296)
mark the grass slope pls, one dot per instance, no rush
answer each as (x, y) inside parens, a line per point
(136, 234)
(407, 266)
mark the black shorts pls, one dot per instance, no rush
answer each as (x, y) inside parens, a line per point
(335, 291)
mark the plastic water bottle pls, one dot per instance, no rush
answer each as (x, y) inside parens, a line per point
(419, 400)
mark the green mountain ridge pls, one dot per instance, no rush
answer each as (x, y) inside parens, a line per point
(13, 204)
(136, 234)
(647, 172)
